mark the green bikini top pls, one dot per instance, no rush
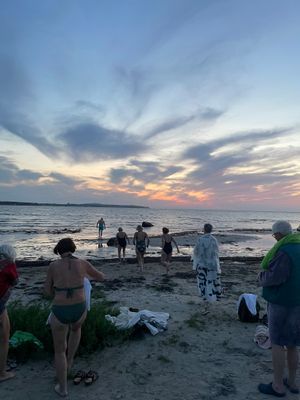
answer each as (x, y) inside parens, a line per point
(69, 290)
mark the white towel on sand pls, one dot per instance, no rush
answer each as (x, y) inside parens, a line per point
(250, 300)
(155, 321)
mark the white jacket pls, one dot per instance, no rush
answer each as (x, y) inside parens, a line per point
(206, 253)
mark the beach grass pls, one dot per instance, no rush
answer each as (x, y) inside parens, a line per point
(196, 321)
(97, 332)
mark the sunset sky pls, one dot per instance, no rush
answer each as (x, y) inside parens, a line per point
(161, 103)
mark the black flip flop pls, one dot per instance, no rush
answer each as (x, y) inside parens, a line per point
(91, 377)
(79, 377)
(292, 390)
(268, 389)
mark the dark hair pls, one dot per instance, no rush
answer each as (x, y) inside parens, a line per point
(208, 228)
(165, 230)
(64, 245)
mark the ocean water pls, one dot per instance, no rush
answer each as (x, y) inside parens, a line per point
(34, 230)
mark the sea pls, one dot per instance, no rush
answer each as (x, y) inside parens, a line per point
(34, 230)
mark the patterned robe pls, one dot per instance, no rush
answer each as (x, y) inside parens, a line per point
(206, 263)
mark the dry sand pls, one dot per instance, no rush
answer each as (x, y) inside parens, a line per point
(205, 357)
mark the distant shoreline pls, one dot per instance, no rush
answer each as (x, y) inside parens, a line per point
(24, 203)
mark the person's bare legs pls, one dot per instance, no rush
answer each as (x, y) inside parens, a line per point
(166, 260)
(278, 358)
(124, 254)
(59, 334)
(119, 253)
(142, 262)
(139, 259)
(4, 345)
(292, 362)
(163, 258)
(74, 340)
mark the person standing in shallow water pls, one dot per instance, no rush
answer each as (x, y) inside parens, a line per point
(141, 242)
(101, 226)
(8, 279)
(280, 280)
(122, 240)
(167, 248)
(207, 265)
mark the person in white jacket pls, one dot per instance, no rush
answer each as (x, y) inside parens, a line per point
(207, 265)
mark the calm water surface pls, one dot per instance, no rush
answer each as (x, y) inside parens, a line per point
(34, 231)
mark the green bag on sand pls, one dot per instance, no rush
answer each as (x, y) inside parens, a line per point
(20, 338)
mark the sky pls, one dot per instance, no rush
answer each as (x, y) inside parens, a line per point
(161, 103)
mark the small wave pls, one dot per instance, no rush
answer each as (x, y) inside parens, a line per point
(41, 231)
(64, 230)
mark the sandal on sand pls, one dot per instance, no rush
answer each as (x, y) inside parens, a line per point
(268, 389)
(79, 377)
(91, 377)
(291, 389)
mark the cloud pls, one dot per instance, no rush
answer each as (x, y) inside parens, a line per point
(10, 173)
(143, 172)
(169, 126)
(19, 125)
(217, 155)
(178, 16)
(64, 179)
(205, 115)
(17, 95)
(243, 165)
(135, 88)
(88, 142)
(85, 105)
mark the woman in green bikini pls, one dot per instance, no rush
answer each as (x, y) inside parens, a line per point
(64, 282)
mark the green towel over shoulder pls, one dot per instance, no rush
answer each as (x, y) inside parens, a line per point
(288, 239)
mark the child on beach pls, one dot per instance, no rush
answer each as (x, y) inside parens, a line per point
(122, 240)
(101, 226)
(8, 279)
(167, 248)
(141, 242)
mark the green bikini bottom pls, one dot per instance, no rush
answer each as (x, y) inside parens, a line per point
(69, 314)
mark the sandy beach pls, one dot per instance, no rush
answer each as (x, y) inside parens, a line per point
(209, 356)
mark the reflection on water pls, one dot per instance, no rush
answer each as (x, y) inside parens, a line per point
(34, 231)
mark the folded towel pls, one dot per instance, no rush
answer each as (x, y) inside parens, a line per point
(262, 338)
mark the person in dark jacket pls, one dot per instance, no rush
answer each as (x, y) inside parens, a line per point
(280, 280)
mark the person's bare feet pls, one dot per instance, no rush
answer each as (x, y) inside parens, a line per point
(59, 392)
(7, 375)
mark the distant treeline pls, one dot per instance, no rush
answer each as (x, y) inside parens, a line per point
(23, 203)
